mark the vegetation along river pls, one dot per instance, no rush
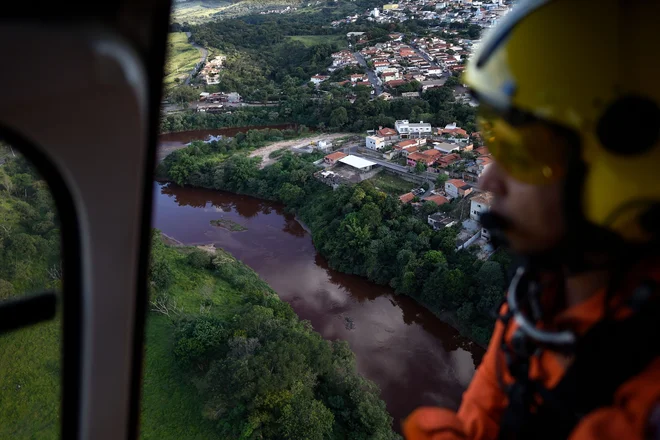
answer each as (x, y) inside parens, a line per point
(415, 358)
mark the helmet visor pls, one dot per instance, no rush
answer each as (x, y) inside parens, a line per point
(528, 149)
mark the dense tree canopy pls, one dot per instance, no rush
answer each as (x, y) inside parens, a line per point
(260, 371)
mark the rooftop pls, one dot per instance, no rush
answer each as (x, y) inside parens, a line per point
(458, 183)
(406, 198)
(356, 162)
(336, 155)
(485, 198)
(437, 199)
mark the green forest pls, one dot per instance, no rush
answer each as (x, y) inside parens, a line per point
(360, 230)
(334, 112)
(249, 367)
(225, 357)
(30, 263)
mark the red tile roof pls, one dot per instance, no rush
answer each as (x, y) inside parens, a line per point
(482, 151)
(437, 199)
(458, 183)
(336, 156)
(387, 132)
(404, 144)
(432, 153)
(406, 198)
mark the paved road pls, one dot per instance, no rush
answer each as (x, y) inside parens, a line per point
(205, 53)
(423, 55)
(370, 73)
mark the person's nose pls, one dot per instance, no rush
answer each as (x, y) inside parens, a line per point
(492, 179)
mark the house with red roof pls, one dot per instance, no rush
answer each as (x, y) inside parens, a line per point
(407, 198)
(332, 158)
(437, 199)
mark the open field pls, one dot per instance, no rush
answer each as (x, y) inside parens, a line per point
(264, 152)
(314, 40)
(181, 58)
(196, 12)
(392, 184)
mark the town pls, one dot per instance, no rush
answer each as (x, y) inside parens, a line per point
(443, 161)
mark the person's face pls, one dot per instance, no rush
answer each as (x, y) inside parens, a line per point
(534, 212)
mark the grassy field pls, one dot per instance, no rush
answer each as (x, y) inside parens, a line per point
(392, 184)
(29, 383)
(181, 58)
(196, 12)
(314, 40)
(171, 408)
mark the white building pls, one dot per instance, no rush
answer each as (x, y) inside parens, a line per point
(357, 163)
(444, 147)
(406, 129)
(318, 79)
(480, 204)
(375, 142)
(457, 188)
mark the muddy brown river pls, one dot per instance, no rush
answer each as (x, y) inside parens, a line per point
(415, 358)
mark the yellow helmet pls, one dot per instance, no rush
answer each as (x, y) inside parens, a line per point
(589, 68)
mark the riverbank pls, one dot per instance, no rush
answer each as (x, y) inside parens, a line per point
(215, 331)
(412, 356)
(360, 230)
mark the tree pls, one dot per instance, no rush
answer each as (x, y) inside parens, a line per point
(338, 117)
(183, 95)
(6, 290)
(441, 179)
(306, 418)
(290, 194)
(199, 259)
(420, 167)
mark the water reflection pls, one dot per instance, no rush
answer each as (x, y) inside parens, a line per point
(414, 357)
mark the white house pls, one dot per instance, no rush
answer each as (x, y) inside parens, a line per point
(480, 204)
(457, 188)
(406, 129)
(318, 79)
(375, 142)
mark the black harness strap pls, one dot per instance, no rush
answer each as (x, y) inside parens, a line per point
(609, 354)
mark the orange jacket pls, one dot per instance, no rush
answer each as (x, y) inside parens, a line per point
(484, 401)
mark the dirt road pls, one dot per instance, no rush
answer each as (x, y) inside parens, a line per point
(264, 152)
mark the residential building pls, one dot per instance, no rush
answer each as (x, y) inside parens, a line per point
(448, 159)
(389, 134)
(407, 198)
(375, 142)
(480, 204)
(457, 188)
(414, 158)
(332, 158)
(324, 145)
(452, 129)
(410, 95)
(483, 162)
(482, 151)
(358, 77)
(437, 199)
(444, 147)
(440, 220)
(407, 129)
(385, 96)
(318, 79)
(432, 83)
(407, 151)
